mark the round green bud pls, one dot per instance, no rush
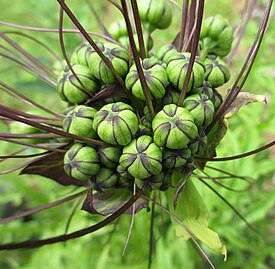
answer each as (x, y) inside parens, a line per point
(171, 97)
(176, 158)
(109, 156)
(142, 158)
(105, 180)
(79, 121)
(155, 76)
(81, 162)
(156, 13)
(216, 36)
(177, 71)
(198, 145)
(119, 58)
(216, 71)
(124, 40)
(206, 88)
(70, 90)
(217, 99)
(118, 29)
(160, 182)
(174, 127)
(81, 54)
(165, 52)
(123, 172)
(116, 123)
(201, 108)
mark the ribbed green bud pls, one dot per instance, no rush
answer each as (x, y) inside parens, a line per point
(118, 29)
(216, 71)
(81, 162)
(174, 127)
(155, 76)
(217, 99)
(177, 71)
(117, 55)
(176, 158)
(216, 36)
(70, 90)
(79, 121)
(142, 158)
(105, 180)
(198, 145)
(116, 123)
(165, 52)
(109, 156)
(124, 40)
(206, 88)
(156, 13)
(160, 182)
(123, 172)
(201, 108)
(171, 97)
(81, 54)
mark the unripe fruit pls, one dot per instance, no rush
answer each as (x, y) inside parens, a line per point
(155, 76)
(79, 121)
(206, 88)
(70, 90)
(177, 71)
(198, 145)
(216, 71)
(109, 156)
(201, 108)
(81, 54)
(216, 36)
(156, 13)
(81, 162)
(174, 127)
(171, 97)
(119, 58)
(116, 123)
(142, 158)
(176, 158)
(165, 52)
(105, 180)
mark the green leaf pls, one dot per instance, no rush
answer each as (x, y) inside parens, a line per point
(192, 211)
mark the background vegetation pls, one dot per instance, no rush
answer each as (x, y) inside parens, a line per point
(250, 128)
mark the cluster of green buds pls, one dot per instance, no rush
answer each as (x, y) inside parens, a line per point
(134, 145)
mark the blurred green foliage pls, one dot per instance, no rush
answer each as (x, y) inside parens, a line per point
(250, 128)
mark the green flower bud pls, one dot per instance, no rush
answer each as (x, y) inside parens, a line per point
(176, 158)
(206, 88)
(177, 71)
(171, 97)
(81, 54)
(123, 172)
(165, 52)
(174, 127)
(79, 121)
(70, 90)
(109, 156)
(117, 55)
(217, 99)
(116, 123)
(155, 76)
(124, 40)
(157, 13)
(198, 145)
(216, 36)
(124, 182)
(105, 180)
(216, 71)
(81, 162)
(201, 108)
(118, 29)
(142, 158)
(160, 182)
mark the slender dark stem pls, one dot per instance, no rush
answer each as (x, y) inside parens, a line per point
(137, 60)
(184, 16)
(191, 22)
(249, 153)
(79, 233)
(91, 42)
(42, 208)
(11, 156)
(193, 52)
(151, 240)
(139, 29)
